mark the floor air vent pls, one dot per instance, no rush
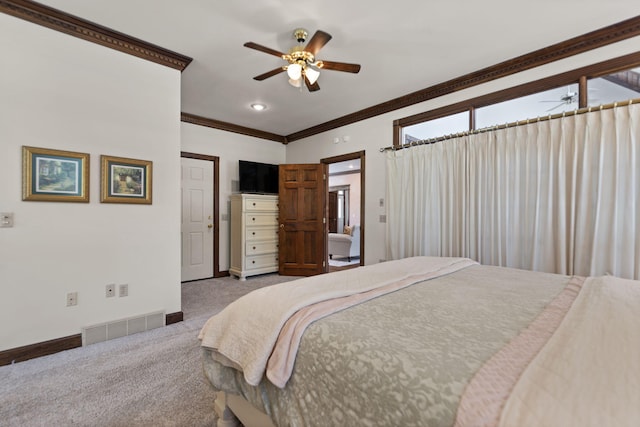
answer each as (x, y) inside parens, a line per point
(121, 328)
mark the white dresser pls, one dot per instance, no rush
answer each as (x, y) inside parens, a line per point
(254, 234)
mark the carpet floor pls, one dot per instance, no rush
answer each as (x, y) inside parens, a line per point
(153, 378)
(343, 262)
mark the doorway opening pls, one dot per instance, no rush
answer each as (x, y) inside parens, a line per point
(339, 197)
(345, 205)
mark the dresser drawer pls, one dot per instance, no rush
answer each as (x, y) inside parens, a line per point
(261, 261)
(252, 219)
(263, 233)
(256, 204)
(255, 248)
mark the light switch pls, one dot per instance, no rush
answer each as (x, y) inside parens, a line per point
(6, 219)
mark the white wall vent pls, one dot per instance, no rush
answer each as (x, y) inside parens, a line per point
(123, 327)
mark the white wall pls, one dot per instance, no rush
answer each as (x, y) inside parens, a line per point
(61, 92)
(229, 147)
(372, 134)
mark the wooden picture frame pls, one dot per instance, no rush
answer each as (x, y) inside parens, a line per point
(125, 180)
(50, 175)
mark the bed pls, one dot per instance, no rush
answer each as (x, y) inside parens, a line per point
(429, 341)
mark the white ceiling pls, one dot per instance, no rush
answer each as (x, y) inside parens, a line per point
(403, 46)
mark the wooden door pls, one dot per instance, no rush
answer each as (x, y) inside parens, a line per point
(302, 217)
(333, 211)
(197, 219)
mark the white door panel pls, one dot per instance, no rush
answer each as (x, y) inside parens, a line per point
(197, 219)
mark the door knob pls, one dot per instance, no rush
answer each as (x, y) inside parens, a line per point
(210, 226)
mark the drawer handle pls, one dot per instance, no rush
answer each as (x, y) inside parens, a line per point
(253, 262)
(254, 248)
(254, 233)
(253, 219)
(254, 203)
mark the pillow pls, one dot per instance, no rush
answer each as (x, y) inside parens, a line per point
(347, 230)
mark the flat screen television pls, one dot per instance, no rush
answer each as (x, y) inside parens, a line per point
(261, 178)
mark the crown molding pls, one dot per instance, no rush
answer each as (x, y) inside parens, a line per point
(81, 28)
(230, 127)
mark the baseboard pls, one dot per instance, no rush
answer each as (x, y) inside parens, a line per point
(20, 354)
(45, 348)
(174, 318)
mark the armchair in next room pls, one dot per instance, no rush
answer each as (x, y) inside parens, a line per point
(345, 244)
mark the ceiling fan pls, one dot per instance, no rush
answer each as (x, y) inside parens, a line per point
(568, 98)
(302, 64)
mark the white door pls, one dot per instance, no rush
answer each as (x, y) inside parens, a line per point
(197, 219)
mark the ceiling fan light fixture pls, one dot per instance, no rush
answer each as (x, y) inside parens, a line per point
(294, 71)
(295, 83)
(258, 106)
(312, 75)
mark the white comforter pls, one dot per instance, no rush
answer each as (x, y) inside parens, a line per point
(588, 373)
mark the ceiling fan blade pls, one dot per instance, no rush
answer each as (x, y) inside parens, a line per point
(319, 39)
(557, 106)
(264, 49)
(339, 66)
(269, 74)
(312, 87)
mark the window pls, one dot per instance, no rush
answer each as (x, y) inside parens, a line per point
(616, 87)
(528, 102)
(438, 127)
(529, 107)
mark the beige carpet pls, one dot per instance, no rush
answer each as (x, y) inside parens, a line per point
(149, 379)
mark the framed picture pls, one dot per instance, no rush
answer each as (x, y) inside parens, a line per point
(54, 175)
(125, 180)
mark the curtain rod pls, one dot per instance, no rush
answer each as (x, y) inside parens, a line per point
(512, 124)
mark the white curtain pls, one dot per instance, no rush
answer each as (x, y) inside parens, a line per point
(560, 195)
(426, 193)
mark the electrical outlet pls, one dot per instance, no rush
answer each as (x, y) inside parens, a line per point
(110, 290)
(123, 290)
(72, 299)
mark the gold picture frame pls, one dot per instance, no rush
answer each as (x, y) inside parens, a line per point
(125, 180)
(50, 175)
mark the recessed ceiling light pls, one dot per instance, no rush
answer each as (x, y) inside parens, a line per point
(258, 107)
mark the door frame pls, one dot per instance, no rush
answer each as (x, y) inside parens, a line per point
(216, 207)
(353, 156)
